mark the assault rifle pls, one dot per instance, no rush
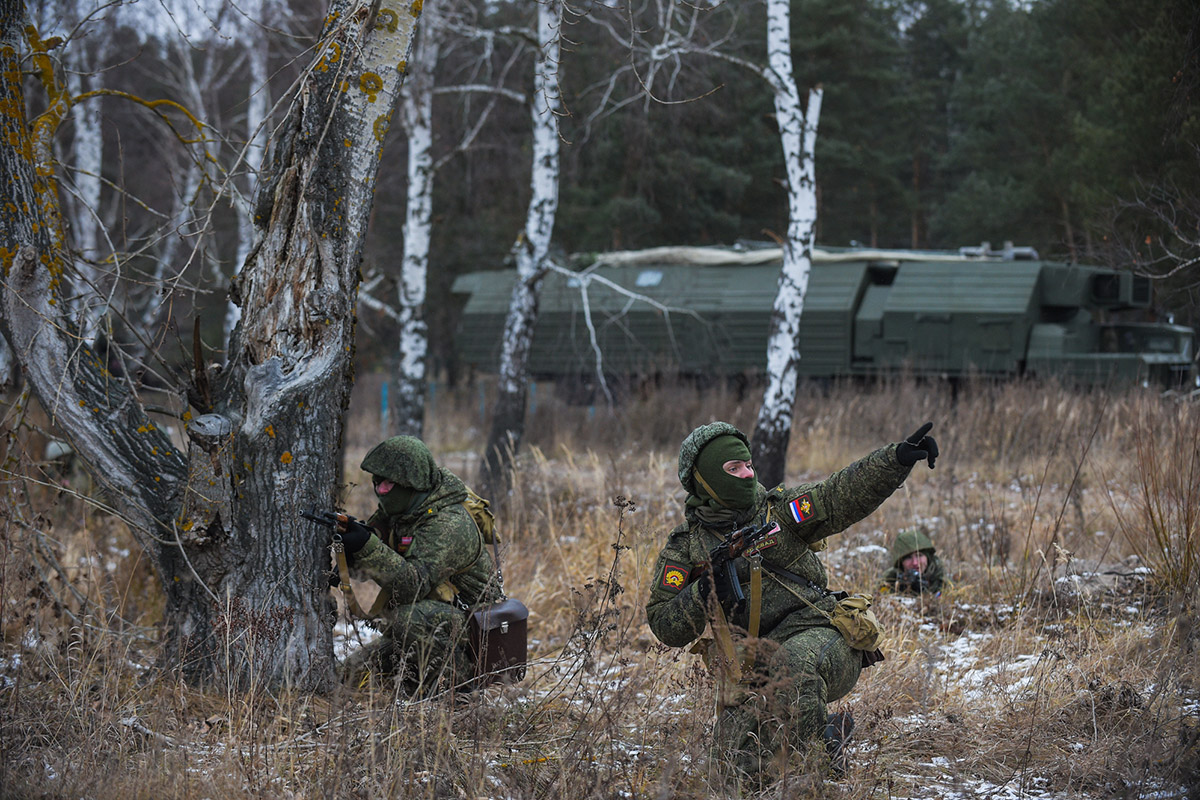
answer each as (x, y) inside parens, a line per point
(342, 524)
(722, 557)
(349, 535)
(912, 581)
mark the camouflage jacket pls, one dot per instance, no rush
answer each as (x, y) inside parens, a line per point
(436, 542)
(806, 515)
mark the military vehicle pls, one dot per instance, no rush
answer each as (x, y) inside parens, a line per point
(977, 311)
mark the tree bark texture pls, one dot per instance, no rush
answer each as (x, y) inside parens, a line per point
(247, 597)
(798, 135)
(529, 252)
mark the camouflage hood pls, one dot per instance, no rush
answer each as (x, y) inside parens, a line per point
(694, 443)
(403, 460)
(910, 541)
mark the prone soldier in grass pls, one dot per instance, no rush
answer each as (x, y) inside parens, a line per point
(426, 552)
(778, 656)
(915, 567)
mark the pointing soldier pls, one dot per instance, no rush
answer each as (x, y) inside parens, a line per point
(774, 645)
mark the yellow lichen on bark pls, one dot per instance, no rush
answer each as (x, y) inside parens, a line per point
(371, 84)
(387, 20)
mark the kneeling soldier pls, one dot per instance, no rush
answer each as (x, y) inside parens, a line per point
(778, 657)
(425, 551)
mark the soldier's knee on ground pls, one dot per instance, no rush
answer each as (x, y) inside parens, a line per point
(377, 657)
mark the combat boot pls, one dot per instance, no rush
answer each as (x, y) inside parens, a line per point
(838, 728)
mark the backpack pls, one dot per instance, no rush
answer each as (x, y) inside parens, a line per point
(480, 511)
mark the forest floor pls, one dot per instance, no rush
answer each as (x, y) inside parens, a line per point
(1061, 663)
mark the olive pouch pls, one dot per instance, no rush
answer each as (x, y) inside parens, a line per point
(854, 619)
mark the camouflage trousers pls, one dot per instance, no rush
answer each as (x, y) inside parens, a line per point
(422, 644)
(787, 706)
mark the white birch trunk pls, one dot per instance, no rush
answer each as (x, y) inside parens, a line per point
(413, 344)
(87, 161)
(258, 102)
(529, 252)
(180, 243)
(8, 368)
(798, 136)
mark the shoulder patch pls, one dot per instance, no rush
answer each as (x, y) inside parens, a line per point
(674, 576)
(802, 508)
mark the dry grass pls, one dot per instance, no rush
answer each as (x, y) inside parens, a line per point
(1035, 675)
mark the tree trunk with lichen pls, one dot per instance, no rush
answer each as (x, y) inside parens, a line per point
(246, 594)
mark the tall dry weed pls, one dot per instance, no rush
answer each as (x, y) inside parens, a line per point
(1158, 509)
(1043, 671)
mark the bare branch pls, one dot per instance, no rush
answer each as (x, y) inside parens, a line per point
(585, 278)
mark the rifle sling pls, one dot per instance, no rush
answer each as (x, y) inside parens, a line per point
(700, 479)
(783, 573)
(755, 613)
(381, 599)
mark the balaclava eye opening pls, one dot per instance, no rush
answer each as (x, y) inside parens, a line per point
(716, 485)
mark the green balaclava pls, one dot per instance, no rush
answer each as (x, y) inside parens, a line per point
(398, 501)
(715, 484)
(406, 462)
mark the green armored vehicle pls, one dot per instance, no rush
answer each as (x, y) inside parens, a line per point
(867, 312)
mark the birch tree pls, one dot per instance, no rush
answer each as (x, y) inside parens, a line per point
(529, 252)
(245, 580)
(440, 24)
(684, 32)
(413, 339)
(798, 136)
(258, 104)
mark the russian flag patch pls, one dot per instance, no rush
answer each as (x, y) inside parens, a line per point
(801, 508)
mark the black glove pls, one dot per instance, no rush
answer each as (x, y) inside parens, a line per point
(917, 447)
(354, 533)
(721, 577)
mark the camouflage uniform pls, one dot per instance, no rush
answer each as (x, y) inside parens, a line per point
(933, 577)
(432, 560)
(802, 663)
